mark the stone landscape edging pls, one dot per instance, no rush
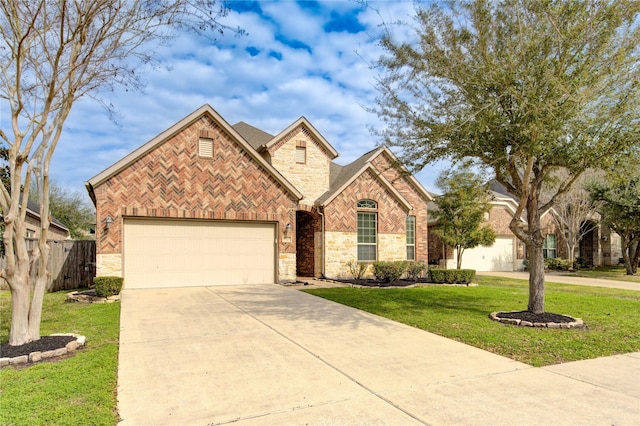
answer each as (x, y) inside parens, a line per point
(576, 323)
(34, 357)
(83, 297)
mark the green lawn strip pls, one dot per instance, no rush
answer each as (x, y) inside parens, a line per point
(616, 273)
(78, 390)
(461, 313)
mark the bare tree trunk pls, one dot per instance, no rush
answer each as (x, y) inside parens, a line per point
(629, 253)
(536, 279)
(459, 261)
(20, 294)
(572, 255)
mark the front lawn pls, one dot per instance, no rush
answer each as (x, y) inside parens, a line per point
(462, 313)
(617, 273)
(79, 390)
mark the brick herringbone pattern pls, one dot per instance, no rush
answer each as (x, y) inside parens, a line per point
(341, 212)
(172, 181)
(404, 187)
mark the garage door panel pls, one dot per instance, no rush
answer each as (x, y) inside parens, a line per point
(498, 257)
(173, 253)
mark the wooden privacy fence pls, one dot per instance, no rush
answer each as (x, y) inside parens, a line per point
(72, 264)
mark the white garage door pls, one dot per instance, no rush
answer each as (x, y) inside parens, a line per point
(186, 253)
(498, 257)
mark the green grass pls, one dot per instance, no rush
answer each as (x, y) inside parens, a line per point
(461, 313)
(79, 390)
(617, 273)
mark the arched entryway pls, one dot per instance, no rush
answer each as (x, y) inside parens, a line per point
(306, 227)
(589, 244)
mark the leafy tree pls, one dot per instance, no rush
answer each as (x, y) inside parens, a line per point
(461, 210)
(71, 208)
(619, 195)
(524, 88)
(51, 54)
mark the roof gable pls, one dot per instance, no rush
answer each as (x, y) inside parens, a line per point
(303, 123)
(331, 195)
(342, 176)
(206, 109)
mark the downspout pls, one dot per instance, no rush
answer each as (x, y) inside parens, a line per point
(322, 271)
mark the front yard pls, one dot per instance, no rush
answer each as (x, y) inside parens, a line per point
(612, 317)
(79, 390)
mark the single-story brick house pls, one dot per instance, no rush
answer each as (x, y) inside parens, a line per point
(598, 247)
(207, 203)
(57, 230)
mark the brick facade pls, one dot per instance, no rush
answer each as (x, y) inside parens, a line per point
(402, 184)
(172, 181)
(168, 178)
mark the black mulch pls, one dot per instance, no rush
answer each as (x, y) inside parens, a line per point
(45, 343)
(378, 283)
(531, 317)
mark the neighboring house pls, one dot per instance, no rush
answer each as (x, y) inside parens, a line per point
(599, 247)
(506, 254)
(57, 230)
(207, 203)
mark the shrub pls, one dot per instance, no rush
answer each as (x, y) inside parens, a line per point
(389, 271)
(525, 264)
(415, 270)
(452, 276)
(357, 269)
(557, 264)
(107, 286)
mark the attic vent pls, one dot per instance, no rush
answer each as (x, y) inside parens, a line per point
(205, 147)
(301, 155)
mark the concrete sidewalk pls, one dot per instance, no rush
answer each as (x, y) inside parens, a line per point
(271, 355)
(557, 277)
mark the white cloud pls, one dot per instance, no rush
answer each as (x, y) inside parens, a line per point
(330, 87)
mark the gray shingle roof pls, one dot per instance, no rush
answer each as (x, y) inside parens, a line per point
(253, 135)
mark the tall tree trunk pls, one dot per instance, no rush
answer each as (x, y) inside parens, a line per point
(572, 255)
(459, 261)
(536, 279)
(20, 296)
(536, 258)
(627, 248)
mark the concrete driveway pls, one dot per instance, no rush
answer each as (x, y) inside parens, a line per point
(271, 355)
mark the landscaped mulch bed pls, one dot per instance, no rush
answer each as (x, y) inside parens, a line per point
(44, 344)
(404, 282)
(531, 317)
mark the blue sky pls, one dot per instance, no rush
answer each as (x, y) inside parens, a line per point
(309, 59)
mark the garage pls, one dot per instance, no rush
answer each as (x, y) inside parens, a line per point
(186, 253)
(498, 257)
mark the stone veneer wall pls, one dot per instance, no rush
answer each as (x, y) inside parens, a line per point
(172, 181)
(342, 247)
(287, 267)
(311, 178)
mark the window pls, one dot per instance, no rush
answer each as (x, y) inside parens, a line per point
(301, 155)
(367, 231)
(549, 247)
(411, 238)
(205, 147)
(367, 204)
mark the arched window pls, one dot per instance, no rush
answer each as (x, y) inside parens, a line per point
(367, 230)
(367, 204)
